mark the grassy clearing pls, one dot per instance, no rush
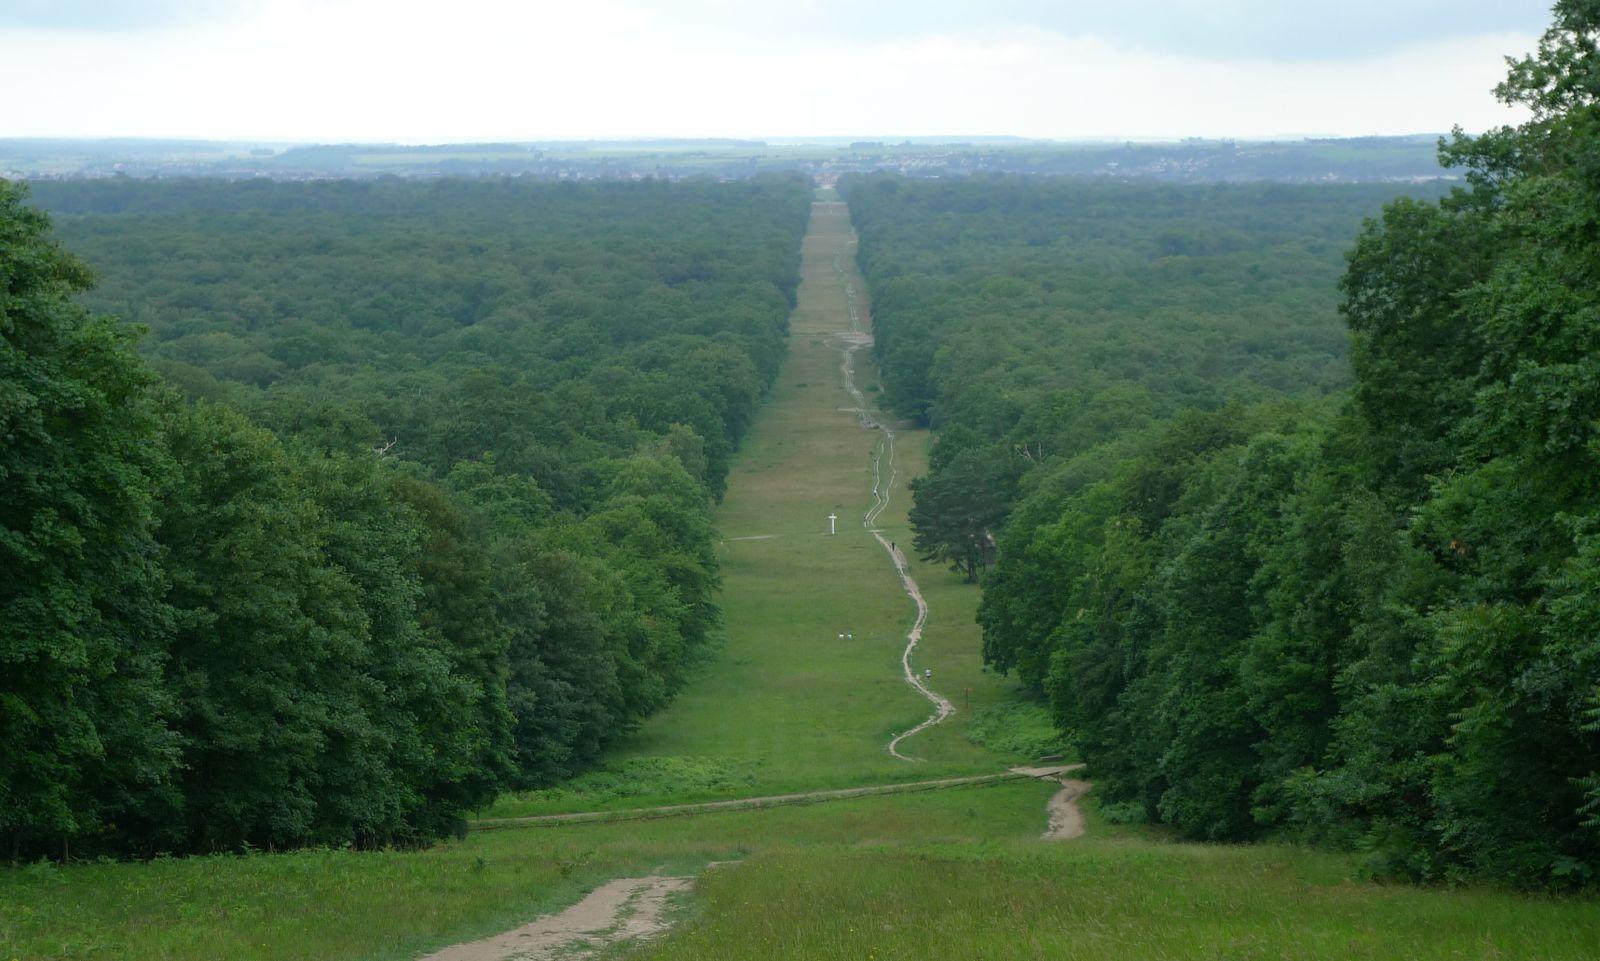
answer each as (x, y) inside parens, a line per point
(638, 782)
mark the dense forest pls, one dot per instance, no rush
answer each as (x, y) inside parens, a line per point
(400, 500)
(1034, 321)
(1365, 619)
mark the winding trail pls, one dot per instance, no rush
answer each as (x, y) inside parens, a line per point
(942, 708)
(1066, 818)
(849, 343)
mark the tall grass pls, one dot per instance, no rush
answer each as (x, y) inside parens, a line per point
(957, 874)
(1112, 900)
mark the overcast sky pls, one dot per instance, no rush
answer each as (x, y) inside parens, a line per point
(455, 70)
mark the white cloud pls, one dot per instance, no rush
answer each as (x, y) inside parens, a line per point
(479, 69)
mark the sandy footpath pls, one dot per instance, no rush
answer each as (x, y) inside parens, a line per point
(1066, 819)
(942, 708)
(626, 909)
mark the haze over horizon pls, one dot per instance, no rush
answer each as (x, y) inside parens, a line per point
(475, 70)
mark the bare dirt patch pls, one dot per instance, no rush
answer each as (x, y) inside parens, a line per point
(1066, 819)
(626, 909)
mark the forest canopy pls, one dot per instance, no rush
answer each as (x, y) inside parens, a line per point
(402, 499)
(1034, 321)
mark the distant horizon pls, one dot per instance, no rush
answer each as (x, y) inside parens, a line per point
(775, 140)
(417, 72)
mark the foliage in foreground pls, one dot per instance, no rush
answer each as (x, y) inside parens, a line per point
(1373, 622)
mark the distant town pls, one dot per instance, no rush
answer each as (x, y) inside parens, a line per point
(1348, 160)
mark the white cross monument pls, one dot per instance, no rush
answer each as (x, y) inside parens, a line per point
(832, 519)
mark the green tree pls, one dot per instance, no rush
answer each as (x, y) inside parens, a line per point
(958, 511)
(268, 663)
(82, 709)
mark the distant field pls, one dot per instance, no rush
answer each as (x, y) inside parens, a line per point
(400, 160)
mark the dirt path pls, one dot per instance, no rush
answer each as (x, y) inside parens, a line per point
(884, 475)
(1066, 820)
(625, 909)
(739, 804)
(1063, 806)
(942, 708)
(629, 909)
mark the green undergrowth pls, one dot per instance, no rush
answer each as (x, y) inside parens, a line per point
(1020, 728)
(636, 782)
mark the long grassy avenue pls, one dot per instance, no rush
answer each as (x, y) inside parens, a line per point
(788, 704)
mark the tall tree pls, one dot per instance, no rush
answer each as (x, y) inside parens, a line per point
(82, 710)
(958, 511)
